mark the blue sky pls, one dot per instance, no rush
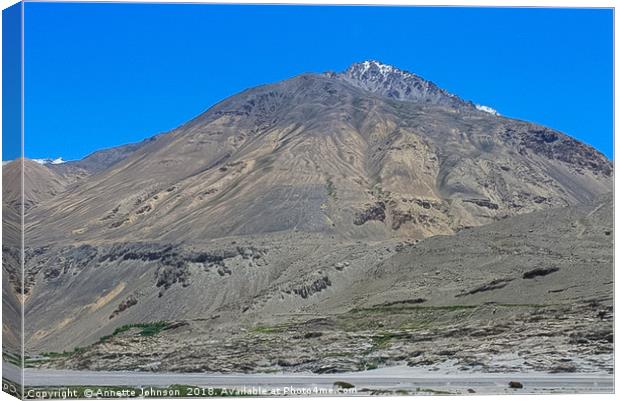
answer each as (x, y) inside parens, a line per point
(11, 82)
(100, 75)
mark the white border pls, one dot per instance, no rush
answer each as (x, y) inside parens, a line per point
(471, 3)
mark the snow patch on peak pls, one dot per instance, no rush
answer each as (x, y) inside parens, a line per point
(383, 68)
(393, 83)
(377, 66)
(487, 109)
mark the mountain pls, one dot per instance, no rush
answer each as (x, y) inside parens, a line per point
(297, 197)
(40, 184)
(329, 157)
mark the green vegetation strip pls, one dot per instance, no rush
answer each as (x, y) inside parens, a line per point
(63, 354)
(14, 359)
(147, 330)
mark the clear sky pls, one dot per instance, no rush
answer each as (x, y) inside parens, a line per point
(100, 75)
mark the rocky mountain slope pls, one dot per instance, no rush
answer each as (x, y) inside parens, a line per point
(282, 201)
(529, 293)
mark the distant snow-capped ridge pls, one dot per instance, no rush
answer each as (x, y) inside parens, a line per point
(58, 160)
(487, 109)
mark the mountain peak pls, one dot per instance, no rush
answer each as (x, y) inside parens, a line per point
(392, 82)
(372, 67)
